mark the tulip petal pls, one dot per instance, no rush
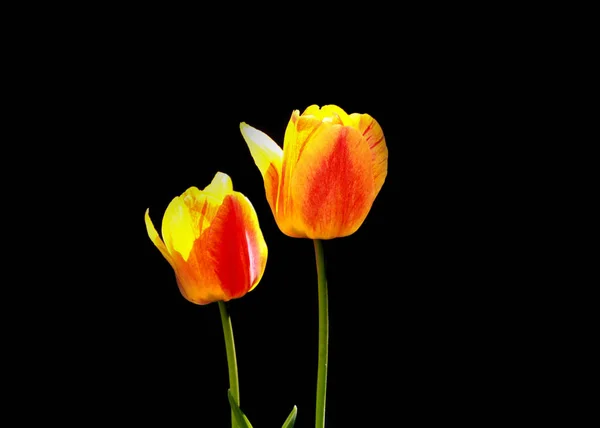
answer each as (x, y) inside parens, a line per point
(329, 113)
(177, 230)
(196, 277)
(267, 156)
(333, 183)
(155, 238)
(220, 186)
(195, 270)
(299, 132)
(236, 246)
(189, 273)
(372, 132)
(312, 110)
(202, 207)
(188, 215)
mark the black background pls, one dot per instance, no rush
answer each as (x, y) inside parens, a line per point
(401, 295)
(418, 313)
(372, 305)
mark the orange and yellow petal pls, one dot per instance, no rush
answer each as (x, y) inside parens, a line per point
(196, 276)
(268, 157)
(369, 128)
(236, 246)
(332, 185)
(298, 134)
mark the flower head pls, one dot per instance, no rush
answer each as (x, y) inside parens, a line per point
(213, 242)
(323, 182)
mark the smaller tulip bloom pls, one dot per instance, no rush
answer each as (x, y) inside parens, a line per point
(332, 166)
(212, 240)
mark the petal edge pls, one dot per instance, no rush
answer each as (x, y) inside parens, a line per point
(155, 238)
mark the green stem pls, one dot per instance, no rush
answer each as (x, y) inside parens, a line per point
(234, 384)
(323, 335)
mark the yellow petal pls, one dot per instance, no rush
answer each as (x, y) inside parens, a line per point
(268, 157)
(177, 230)
(329, 113)
(298, 134)
(263, 149)
(188, 215)
(332, 186)
(155, 238)
(220, 186)
(312, 110)
(372, 132)
(202, 205)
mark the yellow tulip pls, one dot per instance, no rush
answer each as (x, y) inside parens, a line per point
(213, 242)
(323, 182)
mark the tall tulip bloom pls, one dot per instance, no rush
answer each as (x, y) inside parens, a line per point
(321, 185)
(323, 182)
(213, 242)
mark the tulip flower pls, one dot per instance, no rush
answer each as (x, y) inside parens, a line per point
(213, 242)
(321, 185)
(323, 182)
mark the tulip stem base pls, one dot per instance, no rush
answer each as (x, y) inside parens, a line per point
(323, 335)
(234, 384)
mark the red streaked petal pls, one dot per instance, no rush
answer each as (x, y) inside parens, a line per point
(236, 245)
(257, 247)
(202, 207)
(372, 132)
(333, 185)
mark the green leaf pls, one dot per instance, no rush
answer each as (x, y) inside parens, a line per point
(239, 416)
(291, 419)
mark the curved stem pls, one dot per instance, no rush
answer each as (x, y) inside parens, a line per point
(234, 384)
(323, 335)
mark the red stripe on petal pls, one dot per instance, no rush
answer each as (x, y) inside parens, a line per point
(333, 183)
(229, 249)
(372, 132)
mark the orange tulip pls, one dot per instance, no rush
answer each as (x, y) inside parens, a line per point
(332, 166)
(213, 241)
